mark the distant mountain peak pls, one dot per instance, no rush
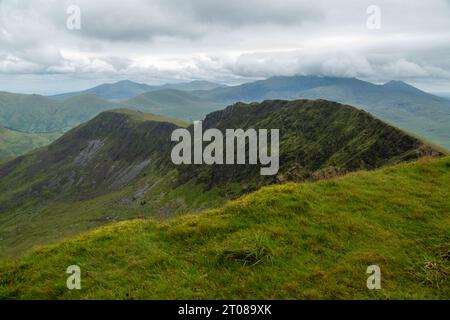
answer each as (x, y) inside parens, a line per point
(128, 82)
(401, 85)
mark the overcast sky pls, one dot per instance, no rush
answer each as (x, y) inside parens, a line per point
(232, 41)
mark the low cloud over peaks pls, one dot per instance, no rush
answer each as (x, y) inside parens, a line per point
(232, 41)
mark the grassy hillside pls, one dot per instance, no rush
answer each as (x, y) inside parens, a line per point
(35, 113)
(15, 143)
(294, 241)
(125, 89)
(117, 166)
(193, 85)
(174, 103)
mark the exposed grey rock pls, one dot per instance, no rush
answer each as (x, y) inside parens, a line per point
(89, 152)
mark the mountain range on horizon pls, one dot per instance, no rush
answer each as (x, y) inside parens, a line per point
(398, 103)
(126, 89)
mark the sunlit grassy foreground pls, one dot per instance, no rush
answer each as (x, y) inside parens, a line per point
(295, 241)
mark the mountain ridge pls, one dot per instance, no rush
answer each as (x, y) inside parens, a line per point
(14, 143)
(117, 166)
(394, 102)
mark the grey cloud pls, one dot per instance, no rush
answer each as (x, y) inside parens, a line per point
(192, 19)
(234, 13)
(228, 41)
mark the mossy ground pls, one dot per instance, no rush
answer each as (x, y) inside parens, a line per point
(293, 241)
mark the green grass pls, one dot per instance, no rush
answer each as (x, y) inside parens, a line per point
(293, 241)
(144, 116)
(34, 223)
(15, 143)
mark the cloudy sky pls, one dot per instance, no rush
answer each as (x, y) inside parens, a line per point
(233, 41)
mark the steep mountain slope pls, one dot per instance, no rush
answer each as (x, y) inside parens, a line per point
(125, 89)
(295, 241)
(426, 115)
(118, 166)
(35, 113)
(395, 102)
(317, 139)
(173, 103)
(15, 143)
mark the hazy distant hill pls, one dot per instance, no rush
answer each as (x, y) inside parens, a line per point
(126, 89)
(173, 103)
(117, 166)
(15, 143)
(35, 113)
